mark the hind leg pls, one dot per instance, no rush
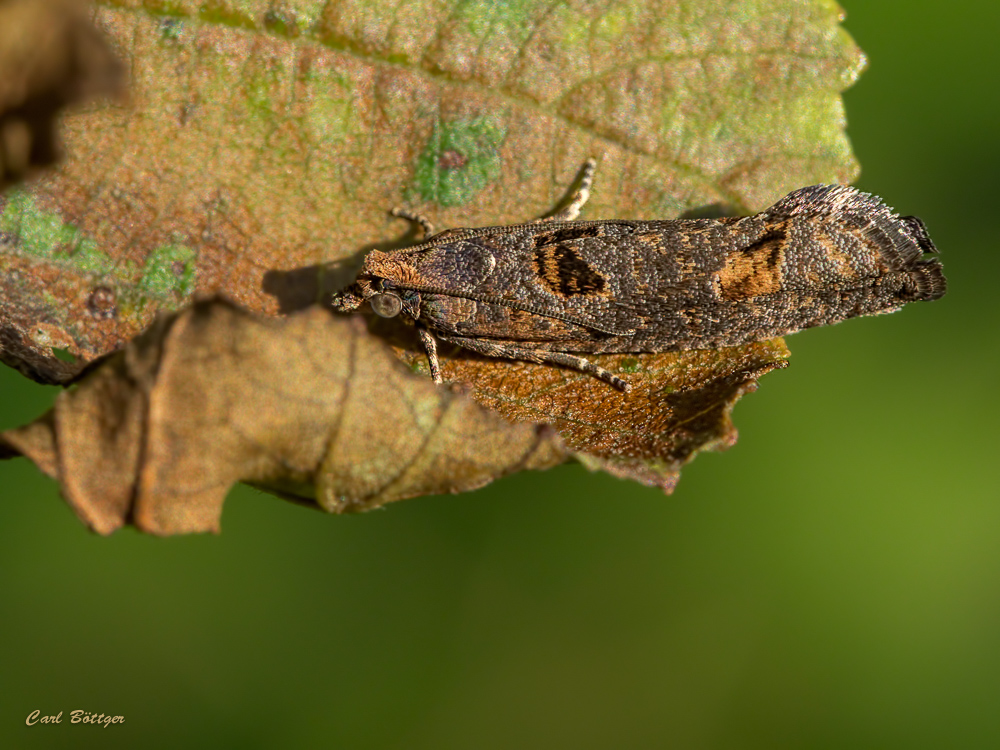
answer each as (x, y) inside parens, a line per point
(580, 196)
(540, 356)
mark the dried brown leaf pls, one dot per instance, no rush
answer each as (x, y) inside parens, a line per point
(309, 406)
(51, 57)
(680, 403)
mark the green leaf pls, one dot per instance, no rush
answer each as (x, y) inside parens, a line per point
(269, 137)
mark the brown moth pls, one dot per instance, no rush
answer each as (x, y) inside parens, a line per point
(552, 290)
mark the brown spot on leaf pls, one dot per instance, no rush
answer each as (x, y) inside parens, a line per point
(185, 112)
(451, 159)
(753, 270)
(102, 303)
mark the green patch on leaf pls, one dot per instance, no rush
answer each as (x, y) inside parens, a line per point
(614, 23)
(329, 113)
(261, 88)
(460, 159)
(281, 23)
(216, 11)
(171, 28)
(484, 17)
(629, 364)
(44, 234)
(164, 7)
(169, 273)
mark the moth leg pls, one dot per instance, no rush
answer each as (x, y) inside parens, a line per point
(581, 196)
(541, 356)
(422, 221)
(430, 346)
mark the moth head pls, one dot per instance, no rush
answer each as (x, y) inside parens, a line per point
(378, 285)
(385, 299)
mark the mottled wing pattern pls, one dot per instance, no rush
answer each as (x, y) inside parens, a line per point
(572, 271)
(819, 255)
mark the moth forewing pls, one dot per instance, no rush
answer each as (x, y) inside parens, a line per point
(550, 291)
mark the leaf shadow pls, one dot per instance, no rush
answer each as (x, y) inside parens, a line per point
(303, 287)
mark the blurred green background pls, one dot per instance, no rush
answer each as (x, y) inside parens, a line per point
(832, 581)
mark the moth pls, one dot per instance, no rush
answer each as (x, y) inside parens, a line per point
(555, 289)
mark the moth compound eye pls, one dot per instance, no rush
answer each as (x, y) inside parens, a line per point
(386, 305)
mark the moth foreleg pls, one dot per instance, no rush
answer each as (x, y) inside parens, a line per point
(540, 356)
(430, 346)
(582, 194)
(419, 219)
